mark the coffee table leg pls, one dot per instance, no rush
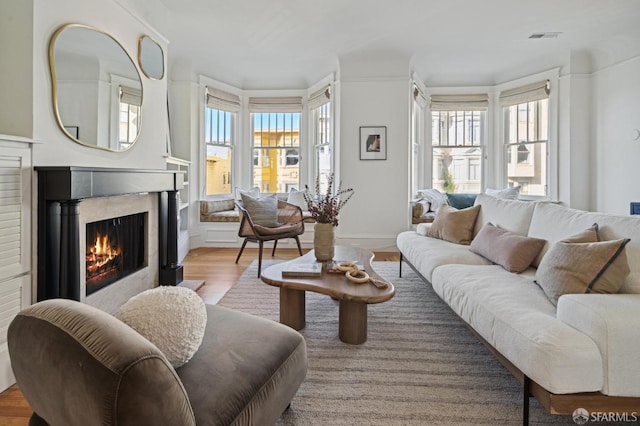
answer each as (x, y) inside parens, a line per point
(352, 323)
(292, 308)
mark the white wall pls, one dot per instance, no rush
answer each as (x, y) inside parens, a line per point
(16, 68)
(377, 211)
(617, 108)
(56, 148)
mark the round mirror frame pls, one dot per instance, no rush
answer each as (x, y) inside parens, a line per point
(141, 60)
(54, 85)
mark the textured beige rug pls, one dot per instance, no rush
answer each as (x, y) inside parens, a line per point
(419, 366)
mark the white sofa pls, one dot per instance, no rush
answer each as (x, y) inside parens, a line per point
(584, 353)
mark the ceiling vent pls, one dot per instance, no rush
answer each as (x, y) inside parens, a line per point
(545, 35)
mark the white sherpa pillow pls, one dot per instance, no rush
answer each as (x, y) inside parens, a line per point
(172, 318)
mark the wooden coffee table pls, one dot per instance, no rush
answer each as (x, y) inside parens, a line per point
(353, 297)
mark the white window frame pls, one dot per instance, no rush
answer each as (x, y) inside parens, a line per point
(553, 76)
(237, 171)
(316, 145)
(419, 162)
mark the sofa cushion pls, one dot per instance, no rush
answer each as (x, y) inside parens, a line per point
(246, 371)
(506, 193)
(612, 321)
(425, 253)
(574, 268)
(512, 215)
(262, 210)
(296, 198)
(454, 225)
(514, 315)
(172, 318)
(553, 223)
(511, 251)
(461, 200)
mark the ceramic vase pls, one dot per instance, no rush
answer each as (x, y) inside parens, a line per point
(324, 241)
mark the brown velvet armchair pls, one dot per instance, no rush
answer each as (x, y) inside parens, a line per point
(291, 225)
(79, 366)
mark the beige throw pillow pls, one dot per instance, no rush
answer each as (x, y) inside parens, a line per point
(454, 225)
(512, 251)
(263, 210)
(574, 268)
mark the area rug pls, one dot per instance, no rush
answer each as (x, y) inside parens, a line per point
(420, 364)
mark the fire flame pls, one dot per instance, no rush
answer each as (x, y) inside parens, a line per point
(101, 253)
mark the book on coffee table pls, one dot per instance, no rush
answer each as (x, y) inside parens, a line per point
(302, 270)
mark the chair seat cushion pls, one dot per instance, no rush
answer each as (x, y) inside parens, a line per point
(246, 371)
(279, 230)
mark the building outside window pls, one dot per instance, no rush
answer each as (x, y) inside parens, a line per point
(220, 116)
(526, 115)
(322, 134)
(457, 137)
(276, 143)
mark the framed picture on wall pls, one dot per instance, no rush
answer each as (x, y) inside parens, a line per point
(373, 142)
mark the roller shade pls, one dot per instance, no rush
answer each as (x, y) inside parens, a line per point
(281, 104)
(419, 96)
(131, 96)
(219, 99)
(530, 92)
(320, 97)
(475, 102)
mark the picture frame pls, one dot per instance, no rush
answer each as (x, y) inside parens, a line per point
(73, 131)
(373, 142)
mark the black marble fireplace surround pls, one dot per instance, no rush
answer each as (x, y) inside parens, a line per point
(62, 189)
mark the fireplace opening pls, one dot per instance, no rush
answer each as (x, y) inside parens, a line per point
(115, 249)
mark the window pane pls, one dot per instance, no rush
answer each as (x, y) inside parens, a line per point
(457, 150)
(276, 142)
(129, 121)
(531, 175)
(526, 156)
(450, 166)
(218, 134)
(218, 170)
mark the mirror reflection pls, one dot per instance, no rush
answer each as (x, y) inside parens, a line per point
(97, 91)
(151, 58)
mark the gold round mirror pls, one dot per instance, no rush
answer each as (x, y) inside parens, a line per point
(97, 91)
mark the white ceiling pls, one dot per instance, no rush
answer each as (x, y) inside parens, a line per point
(261, 44)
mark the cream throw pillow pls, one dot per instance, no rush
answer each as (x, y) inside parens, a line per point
(583, 267)
(512, 251)
(172, 318)
(454, 225)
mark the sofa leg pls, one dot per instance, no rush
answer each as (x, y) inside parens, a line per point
(525, 402)
(400, 268)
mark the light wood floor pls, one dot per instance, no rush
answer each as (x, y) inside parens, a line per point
(216, 266)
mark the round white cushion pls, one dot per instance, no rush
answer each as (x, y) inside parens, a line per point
(172, 318)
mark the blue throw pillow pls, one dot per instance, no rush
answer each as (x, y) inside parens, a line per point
(461, 201)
